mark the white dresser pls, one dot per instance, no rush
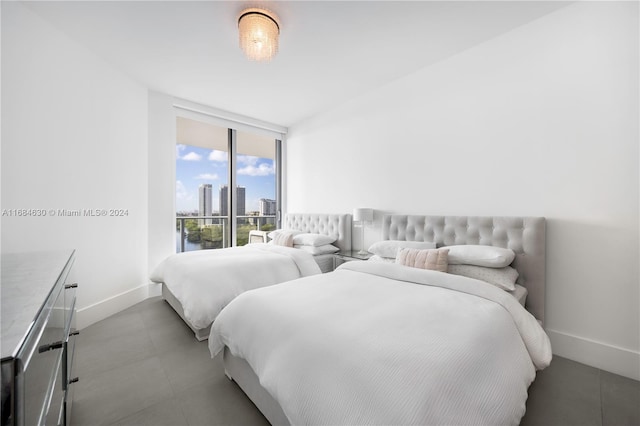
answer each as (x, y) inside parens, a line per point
(38, 295)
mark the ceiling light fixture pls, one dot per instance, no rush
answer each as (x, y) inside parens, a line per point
(259, 30)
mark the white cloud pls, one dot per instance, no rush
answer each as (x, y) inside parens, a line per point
(248, 160)
(182, 193)
(263, 169)
(179, 149)
(192, 156)
(207, 176)
(219, 156)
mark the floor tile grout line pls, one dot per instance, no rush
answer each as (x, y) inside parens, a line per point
(603, 391)
(147, 358)
(119, 420)
(166, 377)
(601, 397)
(92, 373)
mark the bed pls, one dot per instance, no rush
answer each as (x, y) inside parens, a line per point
(382, 343)
(199, 284)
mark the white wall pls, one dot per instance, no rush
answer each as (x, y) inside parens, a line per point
(162, 178)
(74, 136)
(541, 121)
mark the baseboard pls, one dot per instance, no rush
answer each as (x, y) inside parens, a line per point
(105, 308)
(606, 357)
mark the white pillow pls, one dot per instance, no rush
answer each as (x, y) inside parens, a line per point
(389, 248)
(315, 240)
(324, 249)
(275, 232)
(504, 278)
(489, 256)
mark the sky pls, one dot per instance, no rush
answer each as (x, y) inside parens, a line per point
(195, 166)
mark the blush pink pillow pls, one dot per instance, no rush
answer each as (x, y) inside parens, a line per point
(433, 259)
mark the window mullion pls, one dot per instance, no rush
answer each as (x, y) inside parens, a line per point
(278, 164)
(231, 193)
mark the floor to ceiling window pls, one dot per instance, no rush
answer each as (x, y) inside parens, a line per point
(218, 168)
(256, 185)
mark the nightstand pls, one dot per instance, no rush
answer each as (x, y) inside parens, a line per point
(347, 256)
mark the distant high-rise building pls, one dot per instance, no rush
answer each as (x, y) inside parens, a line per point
(241, 197)
(205, 202)
(224, 206)
(240, 200)
(267, 207)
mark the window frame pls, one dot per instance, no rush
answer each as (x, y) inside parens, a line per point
(235, 123)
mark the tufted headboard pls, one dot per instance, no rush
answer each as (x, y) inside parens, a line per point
(335, 225)
(524, 235)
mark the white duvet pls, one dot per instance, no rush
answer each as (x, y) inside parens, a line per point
(377, 343)
(205, 281)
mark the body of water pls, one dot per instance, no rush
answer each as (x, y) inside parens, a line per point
(189, 246)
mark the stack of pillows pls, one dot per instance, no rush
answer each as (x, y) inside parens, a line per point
(486, 263)
(312, 243)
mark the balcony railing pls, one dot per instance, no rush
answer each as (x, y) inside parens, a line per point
(211, 232)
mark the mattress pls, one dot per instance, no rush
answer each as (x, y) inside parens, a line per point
(203, 282)
(376, 343)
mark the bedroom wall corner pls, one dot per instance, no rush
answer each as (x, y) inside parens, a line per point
(91, 314)
(162, 182)
(622, 361)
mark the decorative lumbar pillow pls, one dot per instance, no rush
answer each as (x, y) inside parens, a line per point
(488, 256)
(504, 278)
(389, 248)
(315, 240)
(283, 239)
(434, 259)
(324, 249)
(271, 235)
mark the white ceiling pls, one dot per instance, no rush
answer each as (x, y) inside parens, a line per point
(330, 51)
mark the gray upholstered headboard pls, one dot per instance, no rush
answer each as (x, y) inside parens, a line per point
(524, 235)
(335, 225)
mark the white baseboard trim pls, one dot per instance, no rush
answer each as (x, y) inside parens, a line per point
(624, 362)
(105, 308)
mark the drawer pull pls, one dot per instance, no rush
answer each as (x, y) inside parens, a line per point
(49, 347)
(68, 286)
(74, 333)
(74, 380)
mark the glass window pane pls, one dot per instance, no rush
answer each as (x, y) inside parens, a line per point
(201, 171)
(256, 179)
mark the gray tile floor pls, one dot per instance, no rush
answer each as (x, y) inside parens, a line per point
(144, 367)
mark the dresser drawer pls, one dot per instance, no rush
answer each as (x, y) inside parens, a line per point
(69, 346)
(38, 314)
(40, 362)
(69, 374)
(55, 413)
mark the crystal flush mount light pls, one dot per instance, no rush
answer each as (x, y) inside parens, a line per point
(259, 30)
